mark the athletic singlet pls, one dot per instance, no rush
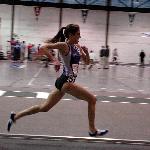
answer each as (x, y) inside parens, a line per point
(71, 63)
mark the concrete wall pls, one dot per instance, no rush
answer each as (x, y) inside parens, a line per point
(5, 15)
(126, 38)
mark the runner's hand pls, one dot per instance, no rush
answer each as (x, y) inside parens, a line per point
(85, 49)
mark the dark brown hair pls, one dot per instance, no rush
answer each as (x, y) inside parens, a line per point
(71, 29)
(64, 33)
(59, 37)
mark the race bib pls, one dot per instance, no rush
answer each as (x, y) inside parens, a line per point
(75, 69)
(71, 78)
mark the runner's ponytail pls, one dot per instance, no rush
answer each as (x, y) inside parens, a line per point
(59, 37)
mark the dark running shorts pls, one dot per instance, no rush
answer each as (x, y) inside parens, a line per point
(60, 81)
(63, 79)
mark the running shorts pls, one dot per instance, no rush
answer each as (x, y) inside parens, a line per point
(63, 79)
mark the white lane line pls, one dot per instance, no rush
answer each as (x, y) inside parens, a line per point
(38, 72)
(42, 95)
(121, 89)
(2, 92)
(112, 96)
(130, 97)
(140, 90)
(76, 139)
(30, 97)
(10, 96)
(105, 101)
(67, 99)
(17, 91)
(30, 82)
(125, 102)
(32, 79)
(143, 103)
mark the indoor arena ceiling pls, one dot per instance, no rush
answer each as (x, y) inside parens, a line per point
(117, 3)
(124, 5)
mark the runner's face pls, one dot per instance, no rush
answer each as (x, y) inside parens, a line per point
(75, 37)
(78, 36)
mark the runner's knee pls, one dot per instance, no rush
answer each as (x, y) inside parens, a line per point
(92, 101)
(44, 109)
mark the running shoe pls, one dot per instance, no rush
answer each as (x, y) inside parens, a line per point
(98, 133)
(11, 121)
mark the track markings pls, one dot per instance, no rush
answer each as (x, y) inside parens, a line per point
(103, 99)
(75, 139)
